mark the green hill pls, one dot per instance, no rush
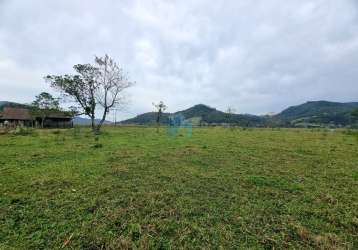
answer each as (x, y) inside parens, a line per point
(309, 114)
(319, 113)
(201, 114)
(213, 116)
(147, 119)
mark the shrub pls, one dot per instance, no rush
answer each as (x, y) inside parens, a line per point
(23, 131)
(76, 132)
(97, 145)
(56, 132)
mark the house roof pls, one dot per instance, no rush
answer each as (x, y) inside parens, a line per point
(59, 114)
(10, 113)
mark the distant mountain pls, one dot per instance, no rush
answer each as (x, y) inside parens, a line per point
(310, 114)
(200, 114)
(147, 119)
(319, 113)
(213, 116)
(199, 110)
(85, 121)
(4, 104)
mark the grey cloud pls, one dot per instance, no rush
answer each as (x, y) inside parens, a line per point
(257, 56)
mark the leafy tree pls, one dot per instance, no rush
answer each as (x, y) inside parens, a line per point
(101, 84)
(43, 105)
(80, 88)
(160, 107)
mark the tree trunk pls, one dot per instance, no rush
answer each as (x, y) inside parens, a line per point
(158, 120)
(102, 120)
(92, 123)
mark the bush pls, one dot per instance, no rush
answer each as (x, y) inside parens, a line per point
(97, 144)
(76, 132)
(23, 131)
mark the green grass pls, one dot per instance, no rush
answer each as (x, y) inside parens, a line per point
(222, 188)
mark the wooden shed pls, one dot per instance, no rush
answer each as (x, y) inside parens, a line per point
(13, 117)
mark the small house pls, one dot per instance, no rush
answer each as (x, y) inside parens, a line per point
(57, 120)
(13, 117)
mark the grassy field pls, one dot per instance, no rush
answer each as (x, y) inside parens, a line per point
(219, 189)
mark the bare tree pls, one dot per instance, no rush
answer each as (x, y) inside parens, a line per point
(160, 107)
(229, 115)
(112, 81)
(100, 84)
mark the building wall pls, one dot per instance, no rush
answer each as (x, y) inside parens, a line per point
(49, 123)
(15, 123)
(58, 123)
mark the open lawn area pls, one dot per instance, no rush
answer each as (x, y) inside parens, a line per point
(221, 188)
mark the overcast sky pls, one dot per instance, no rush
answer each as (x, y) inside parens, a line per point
(257, 56)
